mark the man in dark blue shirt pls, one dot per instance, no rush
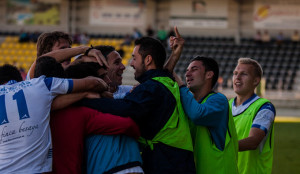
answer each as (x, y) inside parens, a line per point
(155, 106)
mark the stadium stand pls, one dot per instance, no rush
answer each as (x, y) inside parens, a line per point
(19, 54)
(23, 54)
(280, 62)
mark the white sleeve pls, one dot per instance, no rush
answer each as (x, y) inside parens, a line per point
(264, 118)
(122, 91)
(58, 85)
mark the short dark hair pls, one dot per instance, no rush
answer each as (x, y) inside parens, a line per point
(49, 67)
(153, 47)
(47, 40)
(83, 69)
(210, 65)
(105, 49)
(9, 72)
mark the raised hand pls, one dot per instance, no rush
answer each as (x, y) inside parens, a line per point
(99, 57)
(177, 42)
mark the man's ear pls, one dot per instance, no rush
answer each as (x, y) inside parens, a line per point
(256, 81)
(148, 60)
(209, 74)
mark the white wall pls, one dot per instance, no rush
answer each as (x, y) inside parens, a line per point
(157, 14)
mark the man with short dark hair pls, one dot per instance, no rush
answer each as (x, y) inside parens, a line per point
(115, 70)
(126, 156)
(155, 106)
(212, 126)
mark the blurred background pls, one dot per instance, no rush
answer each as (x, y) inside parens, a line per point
(265, 30)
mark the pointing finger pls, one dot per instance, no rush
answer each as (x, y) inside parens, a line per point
(176, 32)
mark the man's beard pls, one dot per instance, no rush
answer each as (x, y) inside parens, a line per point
(143, 70)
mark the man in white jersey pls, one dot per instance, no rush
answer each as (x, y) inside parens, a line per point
(25, 140)
(254, 119)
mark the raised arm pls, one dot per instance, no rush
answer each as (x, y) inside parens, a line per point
(176, 43)
(64, 54)
(60, 56)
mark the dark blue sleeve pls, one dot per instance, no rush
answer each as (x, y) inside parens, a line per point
(135, 105)
(48, 82)
(71, 85)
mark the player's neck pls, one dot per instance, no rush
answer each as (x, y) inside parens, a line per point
(240, 99)
(199, 94)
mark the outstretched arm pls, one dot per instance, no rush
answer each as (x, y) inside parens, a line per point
(60, 56)
(89, 84)
(65, 100)
(64, 54)
(176, 43)
(89, 87)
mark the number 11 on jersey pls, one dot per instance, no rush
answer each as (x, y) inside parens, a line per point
(21, 104)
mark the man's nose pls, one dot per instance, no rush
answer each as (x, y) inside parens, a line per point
(131, 63)
(238, 76)
(187, 73)
(122, 66)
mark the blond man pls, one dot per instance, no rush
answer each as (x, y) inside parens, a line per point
(254, 119)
